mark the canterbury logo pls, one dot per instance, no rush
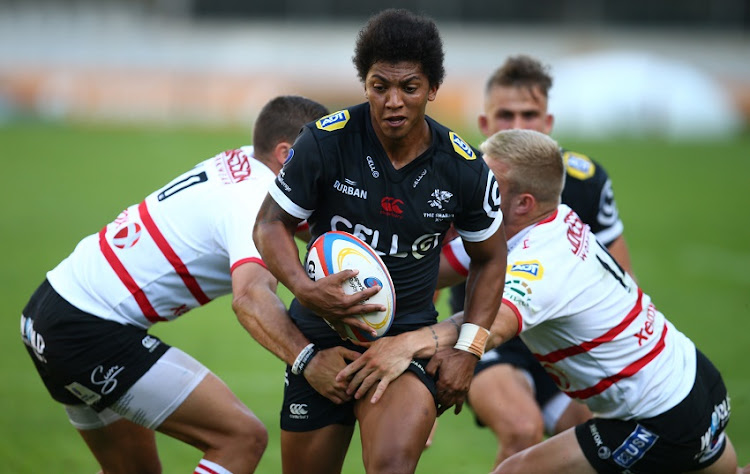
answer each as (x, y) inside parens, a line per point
(298, 408)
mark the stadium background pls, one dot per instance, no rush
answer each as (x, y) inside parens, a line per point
(102, 102)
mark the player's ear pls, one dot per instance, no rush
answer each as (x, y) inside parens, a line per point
(524, 203)
(549, 122)
(281, 151)
(483, 125)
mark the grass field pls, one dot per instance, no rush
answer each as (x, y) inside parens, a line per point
(686, 209)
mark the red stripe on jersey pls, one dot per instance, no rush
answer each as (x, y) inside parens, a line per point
(140, 297)
(202, 469)
(248, 260)
(586, 346)
(628, 371)
(517, 313)
(450, 256)
(190, 282)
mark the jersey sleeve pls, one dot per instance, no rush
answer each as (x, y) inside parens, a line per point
(481, 216)
(456, 256)
(529, 291)
(296, 187)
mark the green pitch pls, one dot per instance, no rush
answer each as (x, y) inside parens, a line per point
(685, 206)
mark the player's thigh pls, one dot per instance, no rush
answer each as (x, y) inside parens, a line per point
(320, 451)
(211, 416)
(560, 454)
(399, 423)
(501, 396)
(574, 414)
(123, 447)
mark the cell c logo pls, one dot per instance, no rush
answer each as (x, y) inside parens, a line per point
(298, 409)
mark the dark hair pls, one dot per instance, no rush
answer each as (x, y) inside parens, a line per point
(521, 71)
(396, 35)
(281, 119)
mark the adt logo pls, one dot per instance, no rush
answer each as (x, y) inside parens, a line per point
(334, 121)
(461, 147)
(532, 270)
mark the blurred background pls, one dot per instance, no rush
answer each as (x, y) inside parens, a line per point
(103, 101)
(670, 67)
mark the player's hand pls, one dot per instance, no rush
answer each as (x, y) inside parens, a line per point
(381, 363)
(323, 368)
(326, 297)
(455, 369)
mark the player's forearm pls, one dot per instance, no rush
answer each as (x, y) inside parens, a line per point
(264, 317)
(427, 341)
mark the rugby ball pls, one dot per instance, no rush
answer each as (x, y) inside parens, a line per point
(335, 251)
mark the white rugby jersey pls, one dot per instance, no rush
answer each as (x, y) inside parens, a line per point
(175, 250)
(595, 332)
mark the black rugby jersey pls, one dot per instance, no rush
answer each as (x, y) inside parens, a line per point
(339, 177)
(588, 191)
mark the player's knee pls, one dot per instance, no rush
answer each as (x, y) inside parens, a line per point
(520, 434)
(394, 463)
(253, 437)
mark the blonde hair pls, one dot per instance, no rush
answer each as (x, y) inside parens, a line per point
(534, 161)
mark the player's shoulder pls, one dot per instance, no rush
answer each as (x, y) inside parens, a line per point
(449, 145)
(237, 165)
(341, 120)
(582, 167)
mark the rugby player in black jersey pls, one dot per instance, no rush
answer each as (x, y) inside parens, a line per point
(511, 393)
(397, 179)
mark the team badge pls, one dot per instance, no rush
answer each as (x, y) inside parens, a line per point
(579, 166)
(531, 270)
(461, 147)
(334, 121)
(127, 236)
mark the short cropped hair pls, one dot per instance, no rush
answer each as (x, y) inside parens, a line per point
(281, 119)
(521, 71)
(534, 160)
(395, 35)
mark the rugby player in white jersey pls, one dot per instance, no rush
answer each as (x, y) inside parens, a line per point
(86, 326)
(660, 405)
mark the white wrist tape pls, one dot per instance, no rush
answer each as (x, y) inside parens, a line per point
(472, 338)
(304, 357)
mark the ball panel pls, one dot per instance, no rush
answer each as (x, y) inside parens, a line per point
(335, 251)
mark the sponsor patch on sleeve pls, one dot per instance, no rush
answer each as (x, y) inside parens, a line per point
(530, 270)
(334, 121)
(461, 147)
(579, 166)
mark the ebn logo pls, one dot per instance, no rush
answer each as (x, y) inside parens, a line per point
(298, 408)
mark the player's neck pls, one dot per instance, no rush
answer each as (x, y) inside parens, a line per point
(404, 150)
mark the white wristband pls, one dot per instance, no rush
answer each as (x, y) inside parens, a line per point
(472, 338)
(304, 357)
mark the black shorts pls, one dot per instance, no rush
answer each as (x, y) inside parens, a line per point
(303, 408)
(83, 358)
(687, 437)
(515, 353)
